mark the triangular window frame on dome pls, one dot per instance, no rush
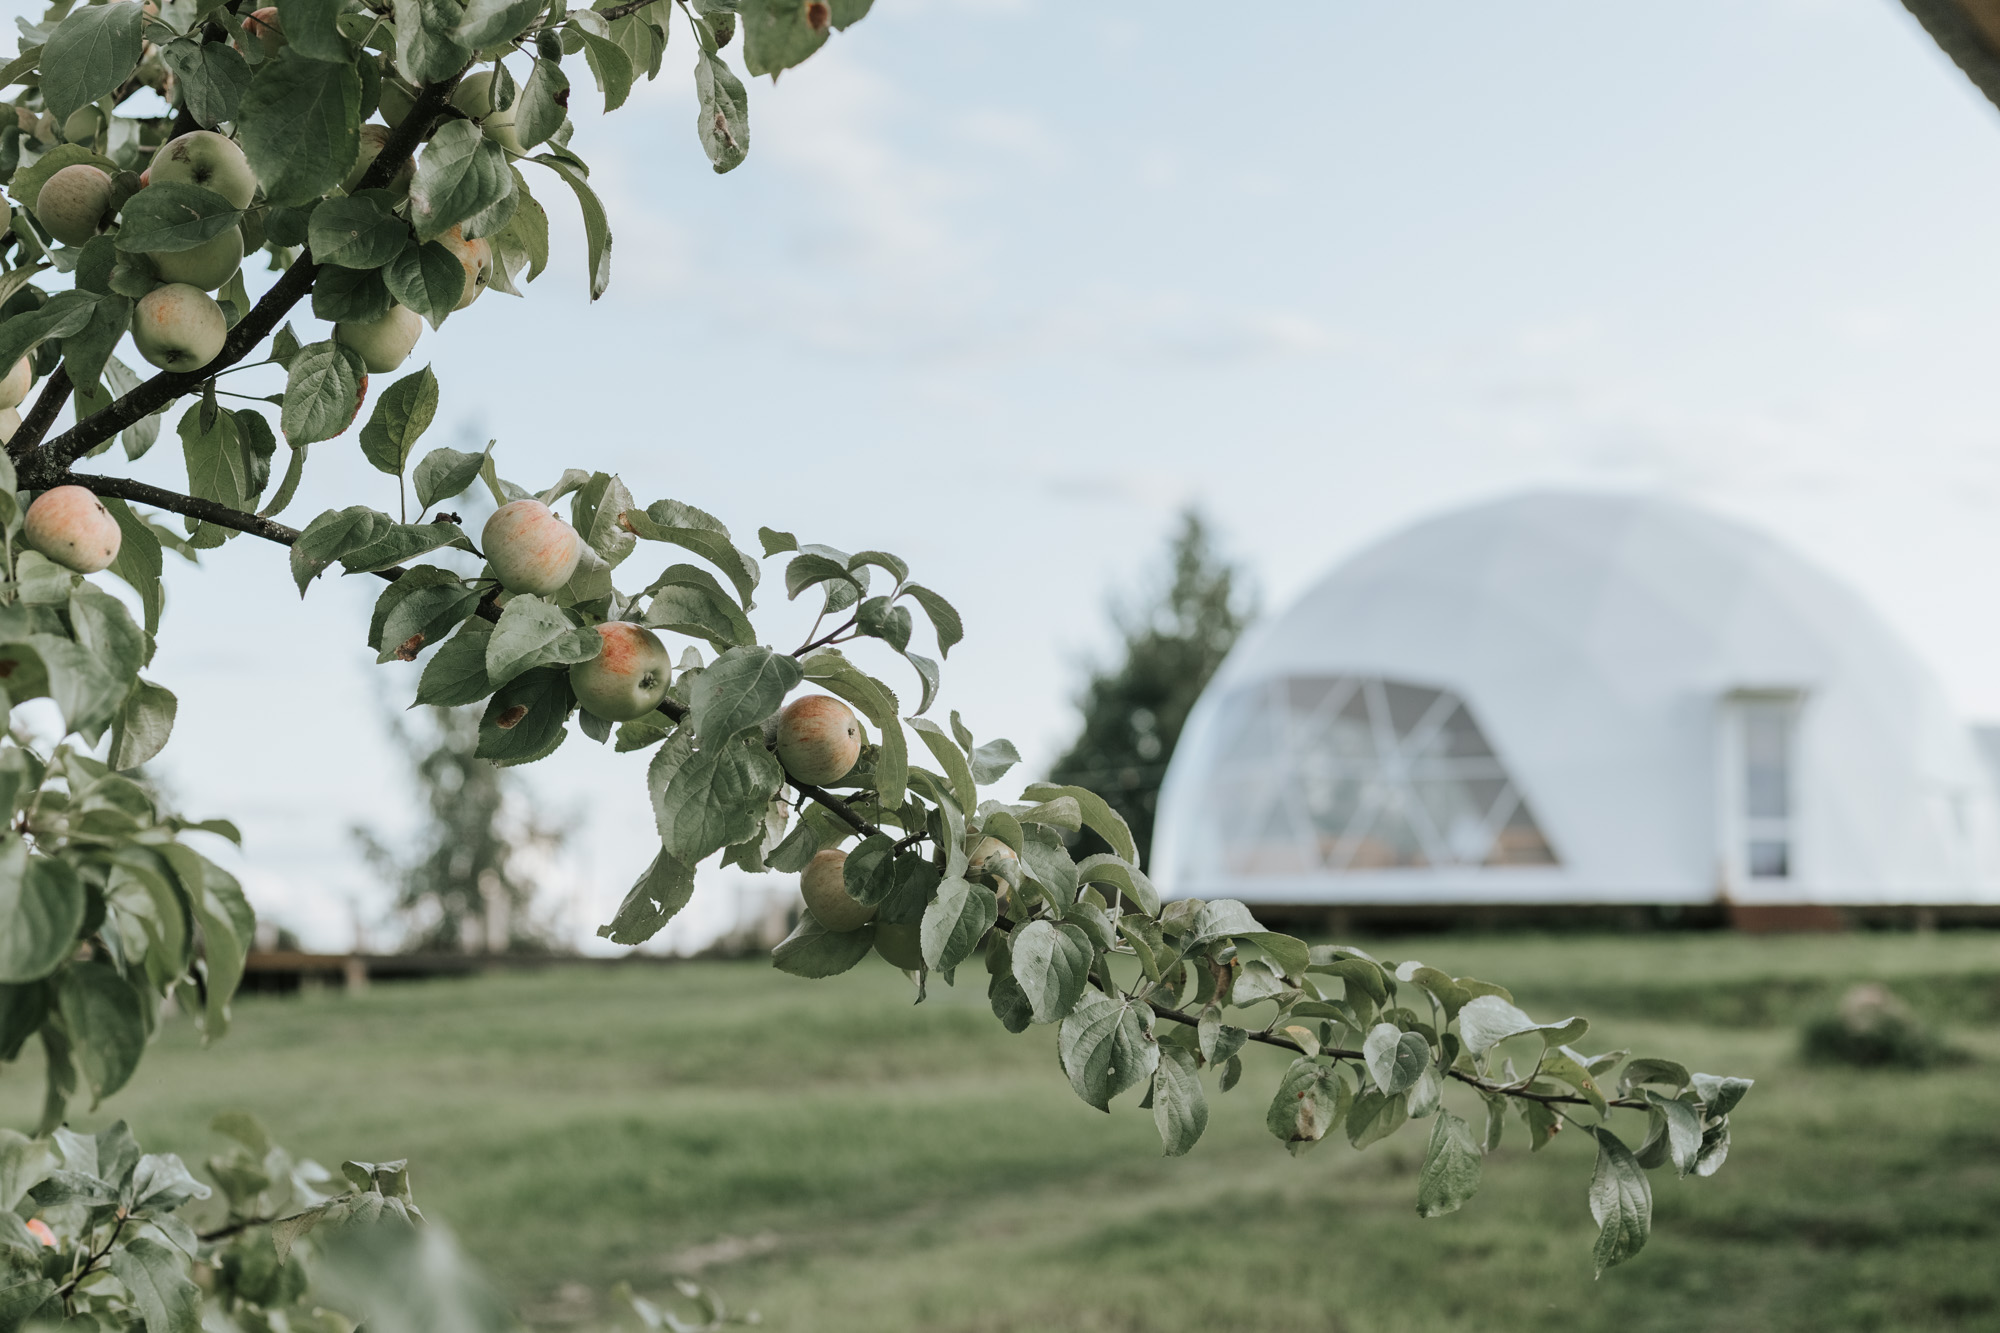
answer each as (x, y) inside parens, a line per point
(1364, 775)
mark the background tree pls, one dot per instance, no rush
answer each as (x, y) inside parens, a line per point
(464, 888)
(1133, 713)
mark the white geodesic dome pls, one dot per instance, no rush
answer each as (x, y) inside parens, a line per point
(1577, 698)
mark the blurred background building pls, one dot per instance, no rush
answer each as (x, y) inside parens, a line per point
(1574, 699)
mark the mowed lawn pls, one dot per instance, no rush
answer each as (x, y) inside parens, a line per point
(839, 1159)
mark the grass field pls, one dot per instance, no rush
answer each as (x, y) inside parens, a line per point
(843, 1161)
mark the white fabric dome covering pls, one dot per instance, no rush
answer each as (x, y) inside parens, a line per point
(1577, 698)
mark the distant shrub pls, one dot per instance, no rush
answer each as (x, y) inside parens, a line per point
(1873, 1028)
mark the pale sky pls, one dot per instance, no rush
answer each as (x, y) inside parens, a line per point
(1002, 285)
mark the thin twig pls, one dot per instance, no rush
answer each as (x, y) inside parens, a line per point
(1471, 1080)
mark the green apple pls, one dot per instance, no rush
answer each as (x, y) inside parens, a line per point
(476, 258)
(178, 327)
(75, 203)
(901, 946)
(83, 126)
(824, 885)
(10, 421)
(818, 739)
(397, 101)
(72, 527)
(384, 344)
(530, 549)
(209, 160)
(628, 677)
(207, 266)
(474, 96)
(14, 388)
(994, 862)
(373, 139)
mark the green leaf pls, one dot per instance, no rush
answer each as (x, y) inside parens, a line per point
(418, 609)
(1665, 1073)
(1180, 1107)
(354, 232)
(91, 53)
(1719, 1094)
(957, 919)
(525, 720)
(401, 542)
(86, 351)
(1374, 1117)
(596, 226)
(1396, 1059)
(106, 1024)
(173, 216)
(1098, 816)
(655, 900)
(809, 570)
(611, 66)
(1488, 1020)
(333, 535)
(84, 691)
(457, 674)
(991, 761)
(534, 633)
(1621, 1201)
(739, 690)
(401, 416)
(775, 542)
(543, 104)
(311, 29)
(489, 22)
(1105, 1048)
(595, 513)
(157, 1279)
(322, 392)
(1309, 1102)
(951, 758)
(1565, 1065)
(427, 46)
(142, 726)
(217, 467)
(211, 78)
(444, 474)
(428, 279)
(299, 124)
(1052, 964)
(777, 34)
(61, 315)
(1679, 1126)
(139, 560)
(1450, 1173)
(690, 601)
(944, 618)
(713, 797)
(690, 528)
(226, 922)
(462, 180)
(41, 909)
(723, 120)
(107, 631)
(811, 950)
